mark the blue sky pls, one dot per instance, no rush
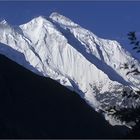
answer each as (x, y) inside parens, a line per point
(107, 19)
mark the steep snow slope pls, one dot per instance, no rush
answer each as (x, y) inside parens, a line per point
(93, 67)
(107, 51)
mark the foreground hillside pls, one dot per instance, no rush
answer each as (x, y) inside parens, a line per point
(38, 107)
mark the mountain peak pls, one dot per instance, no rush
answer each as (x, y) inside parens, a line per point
(39, 18)
(55, 14)
(62, 20)
(35, 23)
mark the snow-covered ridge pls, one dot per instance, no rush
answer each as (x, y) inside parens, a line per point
(60, 49)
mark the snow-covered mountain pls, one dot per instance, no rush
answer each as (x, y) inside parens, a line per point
(101, 71)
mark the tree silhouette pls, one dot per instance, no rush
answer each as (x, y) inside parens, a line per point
(135, 113)
(133, 40)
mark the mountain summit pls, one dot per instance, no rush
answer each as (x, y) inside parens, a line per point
(101, 71)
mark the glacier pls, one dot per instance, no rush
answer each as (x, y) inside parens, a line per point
(93, 67)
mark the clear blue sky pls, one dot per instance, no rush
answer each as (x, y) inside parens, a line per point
(106, 19)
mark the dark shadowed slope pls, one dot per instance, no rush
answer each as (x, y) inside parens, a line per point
(36, 107)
